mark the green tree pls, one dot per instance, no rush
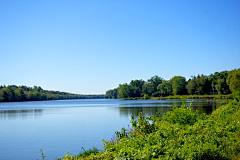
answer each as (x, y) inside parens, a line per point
(165, 88)
(204, 86)
(233, 80)
(155, 81)
(191, 85)
(178, 85)
(7, 95)
(136, 87)
(219, 82)
(199, 85)
(124, 91)
(1, 95)
(112, 93)
(148, 88)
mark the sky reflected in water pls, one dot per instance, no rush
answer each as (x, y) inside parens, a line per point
(67, 125)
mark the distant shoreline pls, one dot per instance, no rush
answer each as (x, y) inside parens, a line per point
(13, 93)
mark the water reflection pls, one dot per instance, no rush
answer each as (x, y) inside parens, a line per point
(60, 126)
(125, 108)
(147, 111)
(163, 106)
(20, 114)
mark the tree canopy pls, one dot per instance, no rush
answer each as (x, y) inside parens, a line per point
(224, 82)
(13, 93)
(233, 80)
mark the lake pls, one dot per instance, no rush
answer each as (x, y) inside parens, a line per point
(68, 125)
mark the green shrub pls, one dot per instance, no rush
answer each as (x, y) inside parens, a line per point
(146, 96)
(179, 134)
(182, 115)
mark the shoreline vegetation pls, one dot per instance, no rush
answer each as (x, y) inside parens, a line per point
(178, 134)
(13, 93)
(218, 85)
(229, 96)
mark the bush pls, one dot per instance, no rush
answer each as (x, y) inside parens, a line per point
(182, 115)
(146, 96)
(179, 134)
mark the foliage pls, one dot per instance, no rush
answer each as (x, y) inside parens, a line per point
(178, 85)
(43, 157)
(87, 153)
(136, 87)
(181, 115)
(229, 96)
(165, 88)
(233, 80)
(155, 81)
(148, 88)
(179, 134)
(112, 93)
(199, 85)
(124, 91)
(13, 93)
(221, 83)
(82, 155)
(146, 96)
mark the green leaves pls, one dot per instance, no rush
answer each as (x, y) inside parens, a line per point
(178, 85)
(179, 134)
(43, 157)
(233, 80)
(182, 115)
(14, 93)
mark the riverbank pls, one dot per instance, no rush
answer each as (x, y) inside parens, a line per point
(179, 134)
(229, 96)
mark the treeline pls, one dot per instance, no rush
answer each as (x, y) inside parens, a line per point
(13, 93)
(221, 83)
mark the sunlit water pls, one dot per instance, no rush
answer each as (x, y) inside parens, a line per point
(68, 125)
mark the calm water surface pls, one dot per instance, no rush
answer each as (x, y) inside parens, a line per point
(67, 125)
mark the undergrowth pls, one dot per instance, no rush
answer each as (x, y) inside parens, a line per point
(178, 134)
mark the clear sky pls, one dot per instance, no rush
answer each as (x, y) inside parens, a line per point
(86, 46)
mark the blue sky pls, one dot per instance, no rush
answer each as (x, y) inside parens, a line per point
(88, 47)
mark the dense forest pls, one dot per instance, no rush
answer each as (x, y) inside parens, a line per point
(13, 93)
(221, 83)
